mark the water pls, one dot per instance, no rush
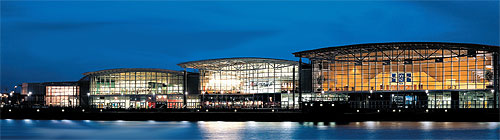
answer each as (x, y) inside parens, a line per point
(85, 129)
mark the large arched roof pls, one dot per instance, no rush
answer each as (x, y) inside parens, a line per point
(119, 70)
(216, 64)
(373, 47)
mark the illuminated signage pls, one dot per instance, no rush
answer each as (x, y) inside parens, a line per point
(401, 77)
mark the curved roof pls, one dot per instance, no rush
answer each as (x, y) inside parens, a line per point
(370, 47)
(217, 64)
(119, 70)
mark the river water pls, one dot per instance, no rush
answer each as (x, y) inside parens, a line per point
(86, 129)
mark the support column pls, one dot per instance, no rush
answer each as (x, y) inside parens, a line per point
(184, 90)
(293, 89)
(300, 83)
(495, 77)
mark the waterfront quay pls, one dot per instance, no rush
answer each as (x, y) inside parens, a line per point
(314, 114)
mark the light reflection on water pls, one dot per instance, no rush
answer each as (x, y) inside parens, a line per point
(87, 129)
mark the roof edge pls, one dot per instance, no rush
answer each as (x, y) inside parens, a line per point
(297, 54)
(232, 58)
(117, 70)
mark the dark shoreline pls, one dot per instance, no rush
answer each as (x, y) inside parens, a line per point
(270, 115)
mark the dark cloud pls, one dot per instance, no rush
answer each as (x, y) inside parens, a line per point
(66, 26)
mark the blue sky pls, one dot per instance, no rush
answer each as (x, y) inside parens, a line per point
(58, 41)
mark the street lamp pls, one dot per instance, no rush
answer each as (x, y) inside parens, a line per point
(29, 94)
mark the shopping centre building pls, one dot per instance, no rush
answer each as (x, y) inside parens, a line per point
(247, 82)
(378, 75)
(136, 88)
(406, 75)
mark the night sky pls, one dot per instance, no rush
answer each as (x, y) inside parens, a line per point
(58, 41)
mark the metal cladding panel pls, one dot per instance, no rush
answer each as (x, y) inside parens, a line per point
(306, 78)
(193, 82)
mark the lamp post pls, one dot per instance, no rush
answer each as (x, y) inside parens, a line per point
(29, 94)
(11, 96)
(185, 99)
(88, 99)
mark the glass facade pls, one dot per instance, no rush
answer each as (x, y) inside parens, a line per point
(136, 89)
(397, 70)
(246, 82)
(248, 79)
(62, 96)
